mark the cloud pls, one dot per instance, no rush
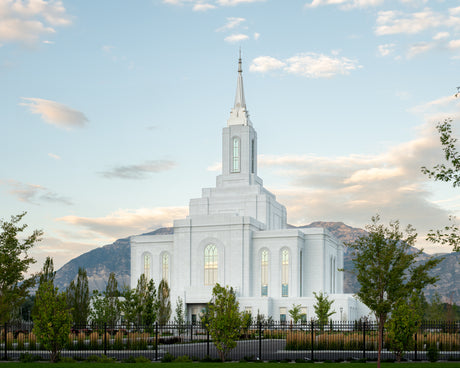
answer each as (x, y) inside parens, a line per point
(236, 38)
(55, 113)
(419, 48)
(232, 22)
(138, 171)
(203, 7)
(125, 222)
(395, 22)
(27, 21)
(441, 35)
(237, 2)
(345, 4)
(454, 44)
(256, 35)
(352, 188)
(386, 49)
(310, 65)
(34, 193)
(52, 155)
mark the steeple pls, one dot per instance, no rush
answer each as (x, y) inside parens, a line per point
(239, 115)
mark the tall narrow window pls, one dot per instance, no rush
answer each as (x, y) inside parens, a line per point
(253, 151)
(165, 267)
(300, 274)
(210, 265)
(147, 263)
(264, 273)
(236, 155)
(285, 273)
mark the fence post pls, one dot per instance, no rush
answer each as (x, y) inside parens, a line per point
(415, 337)
(207, 341)
(191, 332)
(105, 338)
(364, 340)
(260, 340)
(156, 340)
(6, 350)
(312, 326)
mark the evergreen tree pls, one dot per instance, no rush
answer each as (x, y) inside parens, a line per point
(106, 306)
(78, 298)
(164, 303)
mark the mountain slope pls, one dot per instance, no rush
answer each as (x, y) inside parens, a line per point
(116, 257)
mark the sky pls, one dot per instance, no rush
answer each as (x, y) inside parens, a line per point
(111, 112)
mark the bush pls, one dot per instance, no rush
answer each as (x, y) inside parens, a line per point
(28, 358)
(67, 360)
(167, 358)
(432, 353)
(99, 359)
(183, 359)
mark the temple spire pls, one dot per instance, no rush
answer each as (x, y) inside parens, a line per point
(239, 115)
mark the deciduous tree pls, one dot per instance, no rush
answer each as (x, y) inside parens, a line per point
(224, 320)
(15, 262)
(323, 308)
(384, 262)
(51, 314)
(295, 313)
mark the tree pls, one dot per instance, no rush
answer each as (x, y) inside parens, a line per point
(224, 320)
(106, 306)
(51, 314)
(384, 263)
(78, 298)
(402, 325)
(295, 313)
(164, 303)
(322, 308)
(449, 172)
(15, 261)
(179, 318)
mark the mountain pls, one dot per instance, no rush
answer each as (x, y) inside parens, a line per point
(116, 257)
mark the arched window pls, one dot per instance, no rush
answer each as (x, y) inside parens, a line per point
(285, 273)
(236, 155)
(210, 265)
(264, 273)
(165, 266)
(147, 263)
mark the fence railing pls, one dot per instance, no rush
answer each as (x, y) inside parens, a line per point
(258, 341)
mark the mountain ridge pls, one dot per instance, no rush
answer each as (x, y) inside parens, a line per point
(116, 257)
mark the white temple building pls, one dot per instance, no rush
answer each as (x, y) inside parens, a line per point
(236, 234)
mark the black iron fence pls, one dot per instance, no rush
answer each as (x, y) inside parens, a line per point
(259, 341)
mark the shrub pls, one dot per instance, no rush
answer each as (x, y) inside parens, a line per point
(99, 359)
(32, 341)
(21, 340)
(183, 359)
(67, 360)
(432, 353)
(167, 358)
(94, 339)
(28, 358)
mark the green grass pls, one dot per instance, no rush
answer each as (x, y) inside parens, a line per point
(228, 365)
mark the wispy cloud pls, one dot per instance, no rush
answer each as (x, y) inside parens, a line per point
(391, 22)
(236, 38)
(34, 193)
(232, 22)
(52, 155)
(203, 5)
(140, 171)
(126, 222)
(345, 4)
(27, 21)
(55, 113)
(386, 49)
(310, 65)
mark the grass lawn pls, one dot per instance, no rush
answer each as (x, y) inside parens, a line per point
(227, 365)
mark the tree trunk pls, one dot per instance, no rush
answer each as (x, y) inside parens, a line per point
(379, 353)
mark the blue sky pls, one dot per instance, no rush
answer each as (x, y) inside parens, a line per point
(111, 111)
